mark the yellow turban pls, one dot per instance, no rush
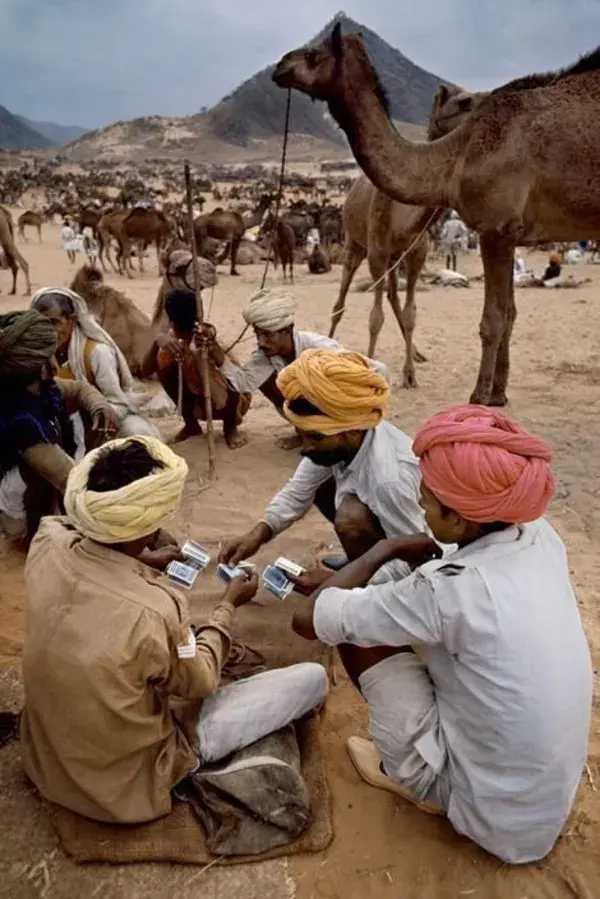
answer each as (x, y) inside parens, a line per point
(131, 512)
(350, 395)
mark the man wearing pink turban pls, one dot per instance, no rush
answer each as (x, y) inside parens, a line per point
(492, 729)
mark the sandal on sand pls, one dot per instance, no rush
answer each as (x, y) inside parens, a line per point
(365, 759)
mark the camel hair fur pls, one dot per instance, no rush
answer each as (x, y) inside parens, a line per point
(522, 168)
(230, 226)
(31, 219)
(14, 259)
(383, 230)
(128, 326)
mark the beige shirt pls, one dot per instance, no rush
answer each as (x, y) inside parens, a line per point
(108, 644)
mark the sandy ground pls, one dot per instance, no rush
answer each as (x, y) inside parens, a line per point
(382, 848)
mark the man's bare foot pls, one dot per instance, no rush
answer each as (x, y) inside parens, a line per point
(235, 439)
(187, 431)
(290, 443)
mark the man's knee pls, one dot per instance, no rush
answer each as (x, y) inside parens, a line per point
(315, 683)
(354, 518)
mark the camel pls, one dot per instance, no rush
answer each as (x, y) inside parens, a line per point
(34, 219)
(230, 226)
(141, 226)
(14, 259)
(283, 244)
(318, 262)
(109, 228)
(382, 230)
(128, 326)
(523, 167)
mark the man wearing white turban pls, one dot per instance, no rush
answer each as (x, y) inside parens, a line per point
(271, 314)
(109, 645)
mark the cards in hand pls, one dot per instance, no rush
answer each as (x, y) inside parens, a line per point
(185, 573)
(226, 573)
(277, 582)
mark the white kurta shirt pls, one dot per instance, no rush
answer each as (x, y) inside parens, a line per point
(259, 368)
(512, 674)
(384, 475)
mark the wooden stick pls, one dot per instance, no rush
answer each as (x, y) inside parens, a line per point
(210, 433)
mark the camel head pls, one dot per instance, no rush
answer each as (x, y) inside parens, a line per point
(451, 106)
(328, 71)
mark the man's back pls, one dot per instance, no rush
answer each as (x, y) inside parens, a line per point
(97, 734)
(513, 683)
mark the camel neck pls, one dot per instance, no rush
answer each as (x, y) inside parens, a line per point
(418, 174)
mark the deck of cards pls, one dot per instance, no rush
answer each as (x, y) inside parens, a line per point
(226, 573)
(185, 573)
(276, 580)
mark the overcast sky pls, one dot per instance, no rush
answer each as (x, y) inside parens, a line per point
(92, 62)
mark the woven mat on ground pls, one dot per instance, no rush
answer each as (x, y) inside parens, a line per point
(179, 838)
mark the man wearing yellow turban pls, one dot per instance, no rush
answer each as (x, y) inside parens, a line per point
(271, 313)
(358, 469)
(109, 644)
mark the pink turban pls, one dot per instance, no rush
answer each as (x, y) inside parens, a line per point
(485, 466)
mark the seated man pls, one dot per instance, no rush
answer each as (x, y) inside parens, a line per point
(37, 441)
(357, 469)
(271, 315)
(175, 358)
(109, 644)
(86, 352)
(492, 731)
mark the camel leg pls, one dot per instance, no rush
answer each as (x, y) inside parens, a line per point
(353, 256)
(141, 250)
(125, 263)
(39, 231)
(378, 263)
(292, 268)
(16, 262)
(497, 256)
(498, 397)
(235, 243)
(407, 317)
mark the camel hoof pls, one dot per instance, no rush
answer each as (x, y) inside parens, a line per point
(498, 399)
(236, 441)
(409, 381)
(235, 273)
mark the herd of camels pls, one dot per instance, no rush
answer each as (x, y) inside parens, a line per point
(517, 163)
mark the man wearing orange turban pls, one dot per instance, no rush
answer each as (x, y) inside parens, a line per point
(492, 731)
(358, 469)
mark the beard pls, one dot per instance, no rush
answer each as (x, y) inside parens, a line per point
(326, 458)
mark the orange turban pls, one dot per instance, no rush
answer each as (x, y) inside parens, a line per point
(485, 466)
(350, 395)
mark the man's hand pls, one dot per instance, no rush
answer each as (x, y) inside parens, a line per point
(307, 582)
(170, 343)
(206, 335)
(105, 425)
(415, 550)
(241, 548)
(160, 558)
(242, 589)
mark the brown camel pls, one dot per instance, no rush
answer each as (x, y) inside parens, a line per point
(128, 326)
(109, 228)
(523, 167)
(382, 230)
(283, 246)
(318, 261)
(13, 258)
(230, 226)
(142, 227)
(33, 219)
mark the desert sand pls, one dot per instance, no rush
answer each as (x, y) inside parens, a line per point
(382, 847)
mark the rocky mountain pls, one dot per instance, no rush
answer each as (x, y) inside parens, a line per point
(55, 133)
(247, 124)
(16, 134)
(257, 108)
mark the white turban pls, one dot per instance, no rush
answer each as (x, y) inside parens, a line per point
(133, 511)
(270, 310)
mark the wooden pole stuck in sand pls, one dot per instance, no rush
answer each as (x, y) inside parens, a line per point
(210, 433)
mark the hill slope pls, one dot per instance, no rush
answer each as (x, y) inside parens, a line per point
(247, 124)
(15, 134)
(53, 132)
(257, 108)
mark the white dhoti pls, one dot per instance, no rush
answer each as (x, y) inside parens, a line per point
(247, 710)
